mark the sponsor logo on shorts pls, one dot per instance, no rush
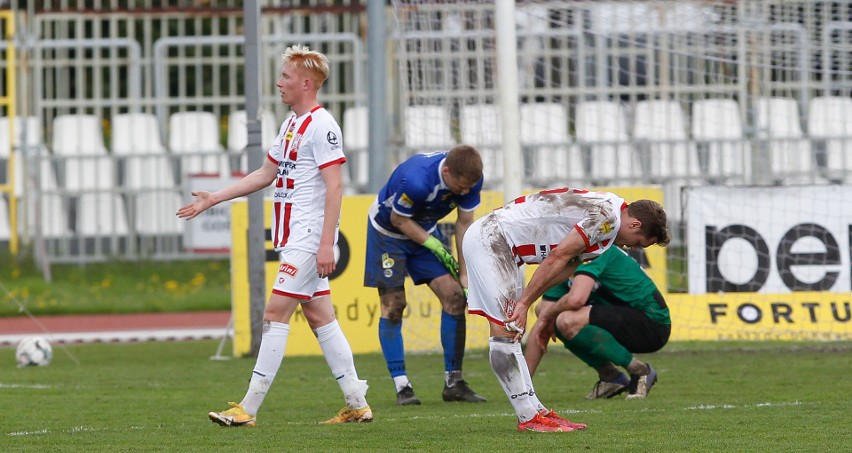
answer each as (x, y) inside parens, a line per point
(388, 273)
(288, 269)
(387, 261)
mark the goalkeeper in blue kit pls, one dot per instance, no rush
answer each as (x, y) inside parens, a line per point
(403, 240)
(607, 312)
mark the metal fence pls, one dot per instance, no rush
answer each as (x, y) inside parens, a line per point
(599, 67)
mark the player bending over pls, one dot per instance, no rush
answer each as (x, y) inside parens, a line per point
(403, 239)
(609, 311)
(554, 229)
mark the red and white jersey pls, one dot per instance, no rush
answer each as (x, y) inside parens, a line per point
(535, 224)
(304, 146)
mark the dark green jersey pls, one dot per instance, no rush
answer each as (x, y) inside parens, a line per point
(620, 281)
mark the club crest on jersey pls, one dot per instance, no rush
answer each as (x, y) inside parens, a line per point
(289, 269)
(405, 201)
(332, 138)
(606, 228)
(387, 261)
(289, 135)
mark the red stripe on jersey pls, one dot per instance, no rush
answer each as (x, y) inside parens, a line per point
(286, 224)
(524, 250)
(520, 200)
(338, 161)
(277, 208)
(291, 183)
(559, 190)
(597, 246)
(302, 128)
(583, 235)
(271, 159)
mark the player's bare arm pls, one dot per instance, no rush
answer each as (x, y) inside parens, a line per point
(252, 182)
(576, 298)
(557, 267)
(332, 175)
(411, 229)
(463, 221)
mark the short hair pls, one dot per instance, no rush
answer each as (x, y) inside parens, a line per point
(654, 220)
(464, 162)
(310, 60)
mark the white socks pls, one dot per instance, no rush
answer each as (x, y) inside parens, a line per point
(338, 354)
(269, 357)
(506, 358)
(400, 382)
(525, 372)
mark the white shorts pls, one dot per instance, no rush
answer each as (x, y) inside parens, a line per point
(495, 282)
(297, 276)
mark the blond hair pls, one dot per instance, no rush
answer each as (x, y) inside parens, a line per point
(310, 60)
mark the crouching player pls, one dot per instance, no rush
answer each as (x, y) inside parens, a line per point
(609, 311)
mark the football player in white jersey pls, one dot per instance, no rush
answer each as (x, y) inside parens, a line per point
(305, 164)
(556, 229)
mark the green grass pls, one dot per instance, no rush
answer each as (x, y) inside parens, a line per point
(744, 397)
(115, 287)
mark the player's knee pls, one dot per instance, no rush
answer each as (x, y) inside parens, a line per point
(454, 304)
(567, 325)
(393, 310)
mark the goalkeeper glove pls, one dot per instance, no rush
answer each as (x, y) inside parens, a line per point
(435, 246)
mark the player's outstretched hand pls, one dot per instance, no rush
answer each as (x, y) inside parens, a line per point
(203, 201)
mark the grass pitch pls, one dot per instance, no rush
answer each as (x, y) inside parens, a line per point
(749, 397)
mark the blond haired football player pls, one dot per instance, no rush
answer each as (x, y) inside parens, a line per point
(305, 164)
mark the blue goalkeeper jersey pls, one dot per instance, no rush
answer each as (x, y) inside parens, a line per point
(415, 189)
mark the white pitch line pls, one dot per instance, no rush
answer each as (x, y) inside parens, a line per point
(24, 386)
(458, 416)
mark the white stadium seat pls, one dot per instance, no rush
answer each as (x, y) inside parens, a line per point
(830, 124)
(197, 133)
(718, 129)
(77, 134)
(136, 133)
(29, 147)
(662, 125)
(5, 231)
(101, 214)
(544, 130)
(154, 213)
(356, 131)
(78, 139)
(53, 217)
(601, 129)
(480, 126)
(779, 124)
(427, 128)
(238, 134)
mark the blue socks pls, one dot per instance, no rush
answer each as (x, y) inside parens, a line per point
(453, 330)
(390, 337)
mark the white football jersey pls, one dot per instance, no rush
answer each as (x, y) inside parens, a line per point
(304, 146)
(535, 224)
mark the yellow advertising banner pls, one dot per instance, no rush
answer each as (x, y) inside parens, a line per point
(357, 307)
(754, 316)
